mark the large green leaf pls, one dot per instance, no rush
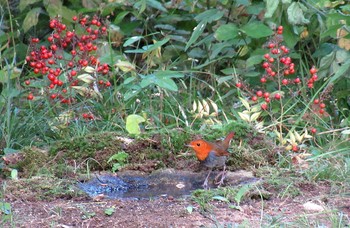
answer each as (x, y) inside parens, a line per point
(24, 3)
(210, 15)
(132, 124)
(226, 32)
(197, 31)
(31, 19)
(166, 83)
(256, 30)
(162, 79)
(169, 73)
(296, 14)
(157, 5)
(271, 6)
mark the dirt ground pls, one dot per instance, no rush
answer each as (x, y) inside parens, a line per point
(29, 210)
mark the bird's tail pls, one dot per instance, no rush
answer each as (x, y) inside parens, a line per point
(228, 138)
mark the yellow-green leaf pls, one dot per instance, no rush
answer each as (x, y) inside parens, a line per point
(31, 19)
(132, 124)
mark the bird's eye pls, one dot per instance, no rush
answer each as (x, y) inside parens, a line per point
(198, 144)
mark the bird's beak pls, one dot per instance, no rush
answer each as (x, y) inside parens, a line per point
(188, 145)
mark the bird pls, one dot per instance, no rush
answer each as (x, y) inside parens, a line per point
(212, 155)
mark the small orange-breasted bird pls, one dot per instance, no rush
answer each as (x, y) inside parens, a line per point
(212, 155)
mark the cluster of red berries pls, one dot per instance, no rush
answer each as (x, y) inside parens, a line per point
(68, 54)
(320, 105)
(278, 67)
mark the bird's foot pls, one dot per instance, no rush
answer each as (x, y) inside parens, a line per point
(205, 184)
(221, 182)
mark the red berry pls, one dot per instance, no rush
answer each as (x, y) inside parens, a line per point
(267, 56)
(316, 101)
(297, 80)
(313, 130)
(263, 80)
(64, 90)
(266, 95)
(321, 111)
(27, 82)
(108, 84)
(265, 65)
(267, 99)
(285, 82)
(59, 83)
(30, 96)
(277, 96)
(313, 70)
(264, 106)
(101, 82)
(322, 105)
(254, 98)
(53, 96)
(271, 60)
(51, 77)
(259, 93)
(271, 45)
(314, 77)
(74, 18)
(295, 148)
(73, 73)
(238, 85)
(85, 115)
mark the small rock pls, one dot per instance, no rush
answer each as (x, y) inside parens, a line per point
(309, 206)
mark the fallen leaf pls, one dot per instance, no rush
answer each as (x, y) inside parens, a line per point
(309, 206)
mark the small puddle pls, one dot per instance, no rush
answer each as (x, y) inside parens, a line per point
(164, 183)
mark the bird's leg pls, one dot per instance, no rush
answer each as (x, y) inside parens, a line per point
(205, 184)
(223, 175)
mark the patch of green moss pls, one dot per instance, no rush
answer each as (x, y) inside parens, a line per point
(95, 148)
(34, 161)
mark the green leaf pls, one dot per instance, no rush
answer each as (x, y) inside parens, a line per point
(197, 31)
(271, 6)
(221, 198)
(256, 30)
(119, 18)
(132, 124)
(289, 36)
(226, 32)
(132, 40)
(149, 48)
(24, 3)
(189, 209)
(210, 15)
(67, 13)
(14, 174)
(31, 19)
(157, 5)
(331, 31)
(255, 59)
(296, 14)
(166, 83)
(110, 211)
(241, 192)
(342, 71)
(5, 208)
(169, 73)
(10, 151)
